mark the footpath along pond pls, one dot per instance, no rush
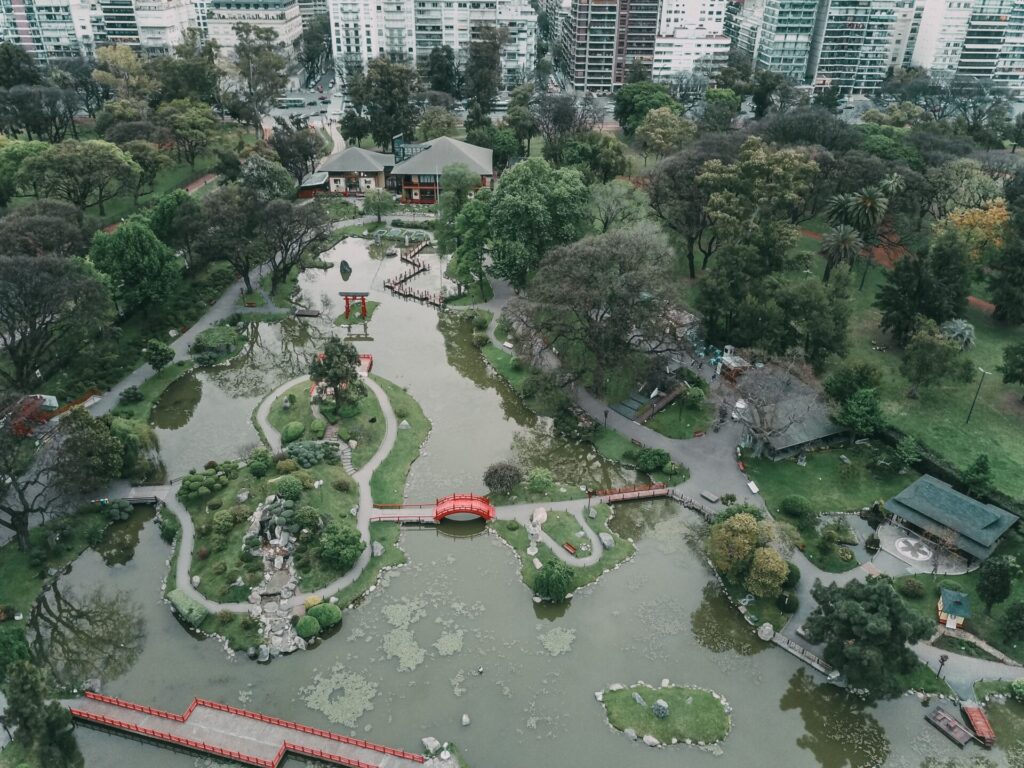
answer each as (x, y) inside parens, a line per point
(403, 665)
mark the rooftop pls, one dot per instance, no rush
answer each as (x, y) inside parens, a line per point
(929, 501)
(955, 603)
(357, 160)
(443, 152)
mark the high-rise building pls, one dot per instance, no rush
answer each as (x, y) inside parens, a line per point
(50, 29)
(282, 16)
(853, 44)
(162, 24)
(588, 48)
(691, 36)
(774, 34)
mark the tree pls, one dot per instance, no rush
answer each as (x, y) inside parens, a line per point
(1013, 621)
(1006, 282)
(861, 413)
(906, 453)
(119, 68)
(315, 47)
(763, 89)
(931, 358)
(482, 76)
(721, 106)
(732, 543)
(265, 180)
(150, 159)
(378, 202)
(617, 204)
(231, 231)
(292, 231)
(534, 208)
(866, 630)
(849, 378)
(995, 580)
(603, 302)
(76, 74)
(840, 245)
(177, 220)
(43, 227)
(634, 100)
(49, 306)
(387, 93)
(298, 146)
(457, 184)
(977, 478)
(554, 581)
(471, 232)
(768, 572)
(502, 477)
(340, 546)
(560, 116)
(17, 67)
(191, 73)
(500, 139)
(44, 727)
(84, 173)
(934, 286)
(262, 70)
(337, 368)
(191, 123)
(25, 486)
(142, 269)
(1012, 367)
(663, 132)
(599, 156)
(90, 455)
(440, 71)
(355, 126)
(42, 111)
(436, 122)
(158, 354)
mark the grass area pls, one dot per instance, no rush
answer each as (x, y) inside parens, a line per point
(339, 208)
(693, 714)
(827, 482)
(923, 678)
(987, 626)
(516, 537)
(241, 631)
(507, 366)
(387, 534)
(522, 494)
(151, 390)
(760, 610)
(680, 421)
(615, 447)
(475, 294)
(983, 688)
(387, 486)
(963, 648)
(299, 411)
(562, 527)
(355, 315)
(17, 755)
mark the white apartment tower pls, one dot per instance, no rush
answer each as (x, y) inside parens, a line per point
(853, 44)
(691, 35)
(50, 29)
(282, 16)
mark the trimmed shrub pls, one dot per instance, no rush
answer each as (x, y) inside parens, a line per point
(307, 627)
(326, 614)
(288, 487)
(651, 459)
(307, 453)
(342, 484)
(787, 602)
(1017, 690)
(223, 521)
(260, 462)
(540, 480)
(292, 431)
(911, 588)
(131, 395)
(502, 477)
(287, 465)
(947, 584)
(190, 611)
(169, 526)
(317, 429)
(799, 508)
(793, 578)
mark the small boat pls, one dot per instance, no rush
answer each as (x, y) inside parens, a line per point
(979, 722)
(949, 726)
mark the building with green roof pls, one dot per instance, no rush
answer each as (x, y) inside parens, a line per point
(934, 507)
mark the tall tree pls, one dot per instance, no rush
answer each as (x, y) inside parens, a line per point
(617, 204)
(142, 269)
(378, 202)
(634, 100)
(177, 220)
(599, 156)
(119, 68)
(721, 107)
(264, 179)
(43, 227)
(299, 147)
(17, 66)
(315, 47)
(387, 93)
(150, 159)
(191, 123)
(930, 358)
(49, 305)
(292, 231)
(262, 70)
(1012, 367)
(663, 132)
(995, 580)
(866, 630)
(471, 232)
(560, 116)
(42, 111)
(76, 74)
(191, 73)
(1006, 281)
(441, 74)
(90, 456)
(337, 368)
(84, 173)
(840, 245)
(354, 126)
(44, 727)
(482, 76)
(436, 122)
(25, 486)
(534, 208)
(231, 231)
(458, 183)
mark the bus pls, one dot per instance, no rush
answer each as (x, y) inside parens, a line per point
(290, 102)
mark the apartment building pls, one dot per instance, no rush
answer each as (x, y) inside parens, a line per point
(691, 35)
(853, 44)
(282, 16)
(50, 29)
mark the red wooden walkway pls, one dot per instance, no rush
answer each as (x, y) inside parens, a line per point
(633, 492)
(237, 734)
(455, 504)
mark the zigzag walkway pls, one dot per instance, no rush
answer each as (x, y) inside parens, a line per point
(246, 737)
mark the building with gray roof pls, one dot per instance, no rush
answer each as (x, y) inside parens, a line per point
(418, 176)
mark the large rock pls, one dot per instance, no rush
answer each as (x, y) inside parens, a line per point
(606, 540)
(660, 708)
(465, 720)
(630, 733)
(431, 744)
(377, 549)
(650, 741)
(264, 654)
(639, 699)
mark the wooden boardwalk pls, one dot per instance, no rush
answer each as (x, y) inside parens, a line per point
(250, 738)
(633, 493)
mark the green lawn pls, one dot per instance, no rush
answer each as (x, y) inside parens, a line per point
(693, 713)
(963, 648)
(828, 483)
(241, 631)
(985, 625)
(387, 485)
(923, 678)
(760, 610)
(300, 411)
(355, 316)
(366, 426)
(515, 535)
(680, 421)
(562, 527)
(151, 390)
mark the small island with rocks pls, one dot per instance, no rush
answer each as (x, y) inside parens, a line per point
(670, 714)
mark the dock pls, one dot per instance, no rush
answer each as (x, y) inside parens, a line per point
(249, 738)
(949, 726)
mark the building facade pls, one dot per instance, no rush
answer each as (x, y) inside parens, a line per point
(691, 36)
(282, 16)
(51, 29)
(853, 44)
(589, 41)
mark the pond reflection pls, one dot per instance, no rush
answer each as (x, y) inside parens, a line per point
(119, 541)
(175, 406)
(718, 626)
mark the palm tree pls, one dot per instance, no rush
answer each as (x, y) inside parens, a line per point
(840, 245)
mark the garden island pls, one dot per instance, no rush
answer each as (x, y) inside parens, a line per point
(410, 453)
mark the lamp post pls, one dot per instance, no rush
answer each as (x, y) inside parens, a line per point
(977, 392)
(942, 662)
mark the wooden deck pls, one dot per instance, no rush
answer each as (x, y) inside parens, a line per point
(246, 737)
(633, 493)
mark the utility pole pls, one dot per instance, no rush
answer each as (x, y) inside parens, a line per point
(977, 392)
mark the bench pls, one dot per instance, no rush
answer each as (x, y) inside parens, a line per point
(569, 548)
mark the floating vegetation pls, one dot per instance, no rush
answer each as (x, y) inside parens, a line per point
(558, 640)
(449, 643)
(405, 613)
(401, 644)
(341, 696)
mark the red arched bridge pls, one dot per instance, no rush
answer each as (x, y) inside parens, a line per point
(458, 505)
(237, 734)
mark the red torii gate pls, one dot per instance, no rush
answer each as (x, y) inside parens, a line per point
(350, 296)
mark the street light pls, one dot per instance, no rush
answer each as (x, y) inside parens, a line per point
(977, 392)
(942, 662)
